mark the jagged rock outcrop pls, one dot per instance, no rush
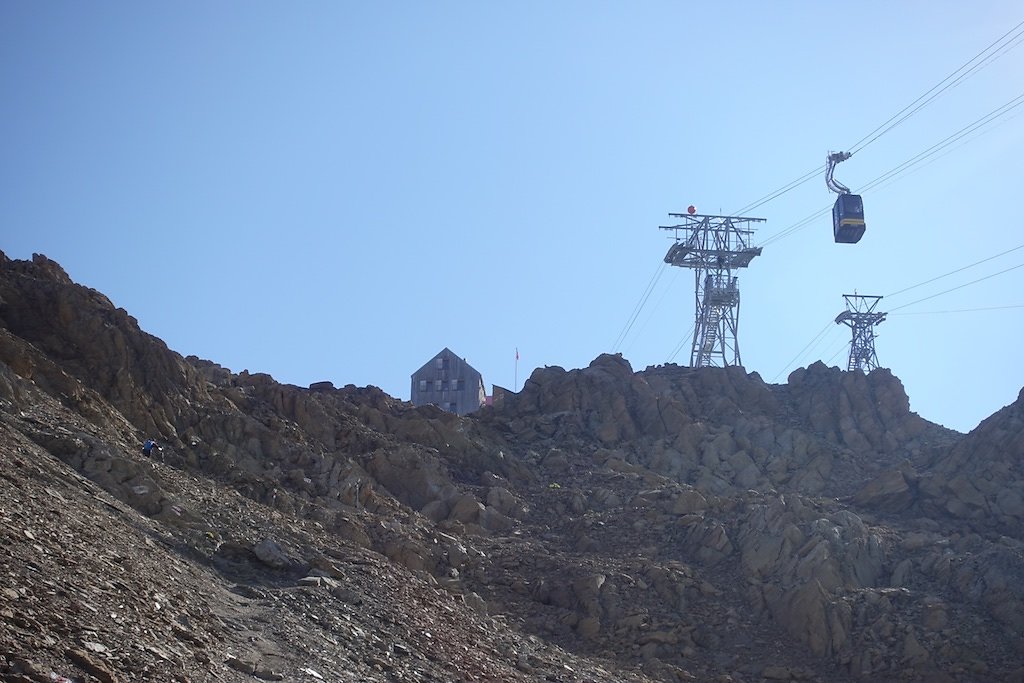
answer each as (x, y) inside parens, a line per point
(672, 524)
(981, 479)
(861, 412)
(726, 430)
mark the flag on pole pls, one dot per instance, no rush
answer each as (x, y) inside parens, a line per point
(517, 353)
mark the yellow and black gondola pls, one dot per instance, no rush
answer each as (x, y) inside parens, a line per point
(848, 219)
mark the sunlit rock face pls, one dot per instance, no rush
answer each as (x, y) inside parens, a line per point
(602, 524)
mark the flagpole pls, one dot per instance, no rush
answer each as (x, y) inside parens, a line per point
(515, 382)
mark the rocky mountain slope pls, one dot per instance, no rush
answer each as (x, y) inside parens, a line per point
(602, 524)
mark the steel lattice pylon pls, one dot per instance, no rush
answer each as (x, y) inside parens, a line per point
(861, 317)
(713, 247)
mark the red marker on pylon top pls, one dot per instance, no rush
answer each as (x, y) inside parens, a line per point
(691, 209)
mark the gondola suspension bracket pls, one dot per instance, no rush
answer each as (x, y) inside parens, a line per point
(831, 160)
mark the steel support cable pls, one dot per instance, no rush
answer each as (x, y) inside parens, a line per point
(804, 222)
(918, 158)
(939, 146)
(775, 194)
(953, 289)
(639, 306)
(682, 343)
(829, 324)
(816, 337)
(991, 116)
(962, 310)
(953, 272)
(1006, 47)
(1017, 40)
(947, 150)
(651, 312)
(838, 351)
(886, 127)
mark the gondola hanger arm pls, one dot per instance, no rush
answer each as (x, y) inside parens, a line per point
(831, 160)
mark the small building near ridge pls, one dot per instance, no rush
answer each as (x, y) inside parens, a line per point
(448, 382)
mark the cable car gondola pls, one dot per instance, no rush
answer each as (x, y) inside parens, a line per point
(848, 212)
(848, 219)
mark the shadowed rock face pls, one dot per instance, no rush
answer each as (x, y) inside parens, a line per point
(603, 524)
(979, 479)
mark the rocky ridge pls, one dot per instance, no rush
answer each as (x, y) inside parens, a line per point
(601, 524)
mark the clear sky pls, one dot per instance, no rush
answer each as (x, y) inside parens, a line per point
(338, 190)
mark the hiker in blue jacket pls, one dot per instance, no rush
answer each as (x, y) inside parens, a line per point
(149, 446)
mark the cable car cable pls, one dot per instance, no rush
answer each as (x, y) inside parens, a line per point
(1006, 47)
(952, 272)
(639, 305)
(953, 289)
(961, 310)
(948, 149)
(664, 292)
(918, 158)
(885, 127)
(838, 351)
(937, 147)
(804, 222)
(775, 194)
(1016, 40)
(907, 289)
(682, 343)
(795, 358)
(991, 116)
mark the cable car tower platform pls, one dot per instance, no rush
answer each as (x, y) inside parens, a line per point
(714, 247)
(861, 317)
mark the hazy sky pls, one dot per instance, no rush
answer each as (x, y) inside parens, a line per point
(338, 190)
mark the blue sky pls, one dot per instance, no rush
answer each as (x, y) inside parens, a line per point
(338, 190)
